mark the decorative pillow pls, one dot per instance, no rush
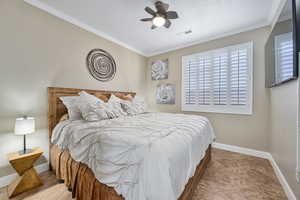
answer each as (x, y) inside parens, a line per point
(91, 107)
(114, 107)
(95, 112)
(71, 102)
(89, 98)
(137, 106)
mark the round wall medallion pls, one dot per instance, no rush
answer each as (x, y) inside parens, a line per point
(101, 65)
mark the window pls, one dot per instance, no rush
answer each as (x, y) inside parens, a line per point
(284, 57)
(218, 81)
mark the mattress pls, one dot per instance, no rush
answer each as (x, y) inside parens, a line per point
(139, 156)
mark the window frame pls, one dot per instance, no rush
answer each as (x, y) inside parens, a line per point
(225, 109)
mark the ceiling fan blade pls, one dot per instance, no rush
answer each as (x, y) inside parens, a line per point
(165, 5)
(150, 11)
(172, 15)
(153, 27)
(161, 7)
(168, 23)
(146, 19)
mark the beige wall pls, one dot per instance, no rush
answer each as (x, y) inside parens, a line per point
(282, 140)
(241, 130)
(283, 132)
(38, 50)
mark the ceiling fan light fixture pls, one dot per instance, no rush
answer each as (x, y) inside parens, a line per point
(158, 21)
(160, 17)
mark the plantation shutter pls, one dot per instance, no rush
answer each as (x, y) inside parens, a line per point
(284, 56)
(204, 80)
(239, 77)
(218, 80)
(191, 82)
(197, 83)
(220, 71)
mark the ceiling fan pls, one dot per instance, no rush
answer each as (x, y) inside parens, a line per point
(162, 16)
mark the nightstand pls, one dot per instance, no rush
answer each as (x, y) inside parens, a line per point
(28, 177)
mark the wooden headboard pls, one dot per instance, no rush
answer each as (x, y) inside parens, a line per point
(56, 108)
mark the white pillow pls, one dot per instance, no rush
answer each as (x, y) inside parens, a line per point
(134, 107)
(91, 107)
(114, 107)
(71, 102)
(88, 98)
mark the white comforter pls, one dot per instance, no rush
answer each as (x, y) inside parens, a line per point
(144, 157)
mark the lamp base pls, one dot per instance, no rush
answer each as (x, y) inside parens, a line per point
(22, 152)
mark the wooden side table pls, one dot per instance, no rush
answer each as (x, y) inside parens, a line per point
(28, 177)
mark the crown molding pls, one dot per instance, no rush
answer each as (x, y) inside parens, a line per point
(277, 8)
(72, 20)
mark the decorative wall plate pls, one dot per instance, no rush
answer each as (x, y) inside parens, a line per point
(101, 65)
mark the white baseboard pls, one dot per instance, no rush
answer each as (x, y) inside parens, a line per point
(6, 180)
(261, 154)
(242, 150)
(288, 191)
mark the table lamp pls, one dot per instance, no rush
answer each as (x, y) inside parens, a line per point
(24, 126)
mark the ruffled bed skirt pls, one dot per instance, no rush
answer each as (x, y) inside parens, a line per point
(80, 179)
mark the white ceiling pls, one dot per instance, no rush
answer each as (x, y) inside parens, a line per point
(119, 20)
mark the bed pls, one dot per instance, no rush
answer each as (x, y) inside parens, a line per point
(79, 177)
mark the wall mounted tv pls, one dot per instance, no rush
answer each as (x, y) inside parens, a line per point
(283, 46)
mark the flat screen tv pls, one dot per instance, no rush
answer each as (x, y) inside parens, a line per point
(282, 48)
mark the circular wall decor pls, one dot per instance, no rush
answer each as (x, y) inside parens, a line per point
(101, 65)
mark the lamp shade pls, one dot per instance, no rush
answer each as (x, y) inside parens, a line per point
(24, 126)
